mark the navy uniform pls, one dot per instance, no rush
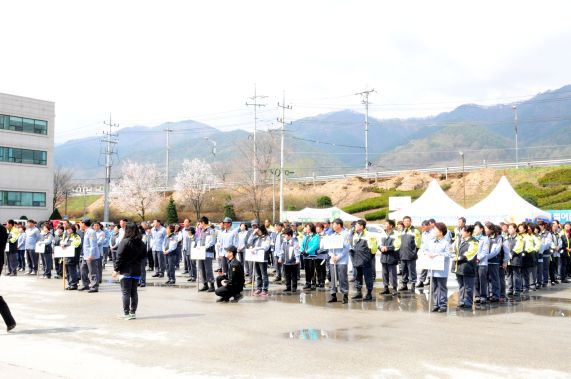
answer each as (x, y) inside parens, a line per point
(407, 242)
(72, 241)
(46, 239)
(170, 249)
(12, 255)
(389, 262)
(362, 256)
(495, 260)
(232, 284)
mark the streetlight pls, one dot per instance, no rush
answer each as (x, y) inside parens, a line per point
(463, 177)
(516, 142)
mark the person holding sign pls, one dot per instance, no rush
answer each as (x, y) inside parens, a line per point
(72, 240)
(339, 258)
(231, 283)
(262, 244)
(289, 258)
(46, 239)
(440, 247)
(169, 251)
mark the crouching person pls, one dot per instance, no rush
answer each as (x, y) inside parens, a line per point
(232, 284)
(289, 258)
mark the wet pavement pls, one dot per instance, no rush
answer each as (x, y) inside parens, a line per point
(180, 332)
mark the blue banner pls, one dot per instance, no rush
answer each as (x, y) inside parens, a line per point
(561, 215)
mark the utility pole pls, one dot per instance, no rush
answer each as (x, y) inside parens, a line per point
(110, 139)
(255, 104)
(516, 139)
(365, 101)
(283, 122)
(168, 131)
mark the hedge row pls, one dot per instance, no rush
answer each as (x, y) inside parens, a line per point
(558, 177)
(377, 215)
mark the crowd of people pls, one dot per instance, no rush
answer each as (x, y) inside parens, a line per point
(491, 262)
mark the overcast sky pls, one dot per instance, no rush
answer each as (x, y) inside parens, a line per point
(151, 62)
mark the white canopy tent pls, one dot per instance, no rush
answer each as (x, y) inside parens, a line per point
(504, 204)
(433, 203)
(318, 214)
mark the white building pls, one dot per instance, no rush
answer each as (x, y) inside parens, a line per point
(26, 157)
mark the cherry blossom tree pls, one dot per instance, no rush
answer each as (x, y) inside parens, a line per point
(193, 181)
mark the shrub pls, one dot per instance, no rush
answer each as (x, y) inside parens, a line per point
(324, 202)
(377, 215)
(55, 215)
(556, 177)
(367, 204)
(229, 211)
(172, 215)
(558, 198)
(445, 186)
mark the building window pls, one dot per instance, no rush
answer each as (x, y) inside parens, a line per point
(22, 199)
(15, 155)
(25, 125)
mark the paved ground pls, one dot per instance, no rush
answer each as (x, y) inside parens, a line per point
(182, 333)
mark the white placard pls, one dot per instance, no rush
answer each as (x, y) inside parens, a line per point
(64, 252)
(40, 248)
(424, 262)
(255, 255)
(198, 253)
(291, 253)
(7, 248)
(334, 241)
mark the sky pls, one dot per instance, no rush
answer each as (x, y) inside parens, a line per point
(149, 62)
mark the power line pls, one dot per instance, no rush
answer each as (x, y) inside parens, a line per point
(255, 104)
(110, 139)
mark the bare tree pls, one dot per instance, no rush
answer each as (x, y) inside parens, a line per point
(194, 179)
(136, 190)
(254, 189)
(62, 185)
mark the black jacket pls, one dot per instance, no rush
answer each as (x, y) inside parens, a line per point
(130, 253)
(391, 256)
(235, 275)
(361, 252)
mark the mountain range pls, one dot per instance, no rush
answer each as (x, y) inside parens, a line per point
(333, 142)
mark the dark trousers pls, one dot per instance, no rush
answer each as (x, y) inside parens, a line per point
(423, 276)
(526, 278)
(290, 273)
(320, 271)
(553, 268)
(389, 275)
(58, 265)
(130, 295)
(21, 259)
(466, 294)
(160, 262)
(151, 259)
(32, 260)
(227, 292)
(223, 264)
(72, 277)
(278, 267)
(563, 262)
(47, 261)
(262, 281)
(309, 271)
(206, 273)
(494, 280)
(6, 314)
(364, 273)
(172, 260)
(12, 262)
(408, 272)
(546, 268)
(514, 279)
(481, 292)
(143, 279)
(339, 279)
(439, 292)
(503, 275)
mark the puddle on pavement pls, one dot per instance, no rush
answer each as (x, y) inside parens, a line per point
(320, 334)
(419, 302)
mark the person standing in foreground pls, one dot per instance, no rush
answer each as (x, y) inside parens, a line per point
(89, 265)
(339, 259)
(4, 310)
(362, 255)
(408, 242)
(465, 267)
(130, 252)
(389, 258)
(438, 288)
(231, 284)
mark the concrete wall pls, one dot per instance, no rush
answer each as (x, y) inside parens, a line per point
(28, 177)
